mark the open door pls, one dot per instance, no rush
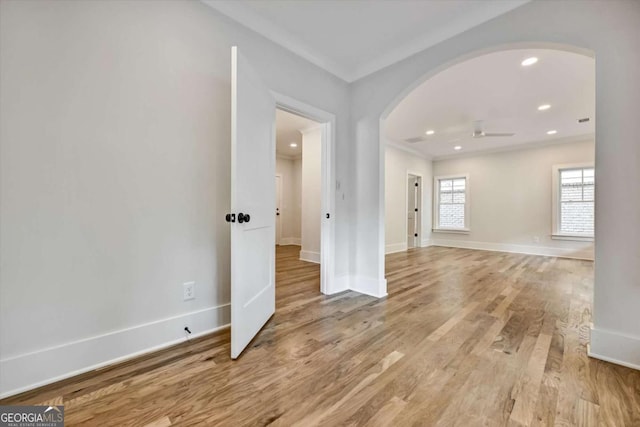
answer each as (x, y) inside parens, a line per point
(253, 297)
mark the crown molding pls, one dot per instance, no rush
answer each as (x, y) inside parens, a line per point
(590, 137)
(403, 147)
(419, 44)
(254, 22)
(310, 129)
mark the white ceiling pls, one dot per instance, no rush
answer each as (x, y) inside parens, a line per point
(288, 127)
(354, 38)
(497, 89)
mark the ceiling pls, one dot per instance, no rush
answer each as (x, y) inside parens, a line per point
(498, 90)
(354, 38)
(288, 127)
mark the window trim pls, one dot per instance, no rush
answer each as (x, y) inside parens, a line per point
(436, 205)
(556, 234)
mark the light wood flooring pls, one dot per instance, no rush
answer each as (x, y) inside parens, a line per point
(464, 338)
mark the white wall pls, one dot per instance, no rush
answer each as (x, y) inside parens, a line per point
(114, 147)
(290, 204)
(510, 195)
(311, 194)
(397, 164)
(610, 30)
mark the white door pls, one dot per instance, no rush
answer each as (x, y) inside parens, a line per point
(278, 208)
(253, 203)
(411, 212)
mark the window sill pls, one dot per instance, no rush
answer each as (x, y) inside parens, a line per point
(452, 230)
(572, 238)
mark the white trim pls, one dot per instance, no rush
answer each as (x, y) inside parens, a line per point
(252, 20)
(310, 256)
(531, 145)
(35, 369)
(369, 286)
(275, 33)
(399, 146)
(287, 241)
(555, 200)
(615, 347)
(572, 238)
(467, 203)
(288, 157)
(451, 230)
(310, 129)
(395, 247)
(426, 243)
(582, 253)
(341, 284)
(328, 140)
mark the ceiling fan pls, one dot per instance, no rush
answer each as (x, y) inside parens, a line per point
(478, 131)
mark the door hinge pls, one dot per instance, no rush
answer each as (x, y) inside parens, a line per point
(416, 209)
(416, 184)
(328, 216)
(416, 235)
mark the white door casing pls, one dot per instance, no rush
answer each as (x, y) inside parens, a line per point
(252, 193)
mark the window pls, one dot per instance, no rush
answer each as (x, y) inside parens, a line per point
(451, 203)
(574, 189)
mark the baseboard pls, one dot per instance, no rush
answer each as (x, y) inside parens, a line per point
(615, 348)
(286, 241)
(586, 254)
(310, 256)
(426, 243)
(31, 370)
(369, 286)
(341, 283)
(395, 247)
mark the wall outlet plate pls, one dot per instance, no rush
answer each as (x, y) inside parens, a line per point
(188, 291)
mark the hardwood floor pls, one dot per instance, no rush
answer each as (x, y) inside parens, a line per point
(464, 338)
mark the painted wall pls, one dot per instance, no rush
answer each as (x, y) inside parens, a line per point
(115, 170)
(397, 164)
(510, 195)
(616, 332)
(311, 194)
(290, 205)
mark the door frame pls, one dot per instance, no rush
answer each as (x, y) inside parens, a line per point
(420, 207)
(327, 123)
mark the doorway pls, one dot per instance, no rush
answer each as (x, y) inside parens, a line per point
(298, 215)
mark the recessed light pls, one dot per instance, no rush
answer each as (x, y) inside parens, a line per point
(552, 132)
(293, 145)
(544, 107)
(430, 132)
(529, 61)
(457, 148)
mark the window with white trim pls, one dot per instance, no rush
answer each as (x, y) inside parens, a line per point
(451, 203)
(574, 202)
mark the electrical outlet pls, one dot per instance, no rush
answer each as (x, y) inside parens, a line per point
(188, 291)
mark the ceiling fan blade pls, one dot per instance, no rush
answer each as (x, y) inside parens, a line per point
(497, 134)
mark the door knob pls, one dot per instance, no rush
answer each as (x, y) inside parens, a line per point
(243, 218)
(230, 217)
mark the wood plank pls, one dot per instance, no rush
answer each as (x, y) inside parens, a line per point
(464, 338)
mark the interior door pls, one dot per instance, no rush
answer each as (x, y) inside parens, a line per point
(253, 203)
(278, 208)
(411, 212)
